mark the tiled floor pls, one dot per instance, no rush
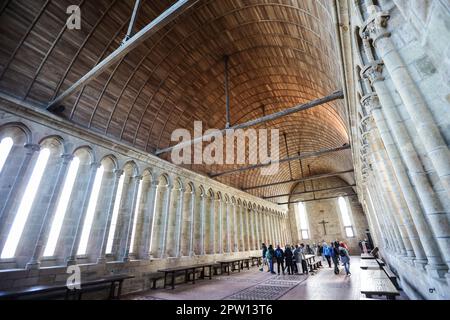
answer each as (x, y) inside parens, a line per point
(256, 285)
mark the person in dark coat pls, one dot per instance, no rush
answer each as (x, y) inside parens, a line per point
(288, 258)
(294, 259)
(334, 253)
(264, 260)
(279, 255)
(270, 256)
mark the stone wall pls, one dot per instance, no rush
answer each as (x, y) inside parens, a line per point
(183, 217)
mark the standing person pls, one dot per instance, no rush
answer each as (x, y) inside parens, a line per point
(294, 260)
(288, 256)
(304, 265)
(345, 258)
(308, 250)
(364, 246)
(360, 244)
(298, 257)
(334, 252)
(270, 255)
(279, 255)
(327, 253)
(264, 259)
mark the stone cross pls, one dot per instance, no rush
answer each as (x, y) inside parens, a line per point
(323, 222)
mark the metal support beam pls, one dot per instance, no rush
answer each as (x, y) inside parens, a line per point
(160, 22)
(227, 95)
(306, 192)
(319, 176)
(300, 156)
(132, 21)
(310, 200)
(301, 107)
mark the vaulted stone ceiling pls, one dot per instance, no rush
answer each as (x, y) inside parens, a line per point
(282, 53)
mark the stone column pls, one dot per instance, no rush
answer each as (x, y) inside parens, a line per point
(165, 217)
(212, 226)
(235, 228)
(247, 229)
(49, 213)
(401, 213)
(202, 224)
(242, 226)
(20, 181)
(220, 235)
(102, 256)
(192, 224)
(148, 221)
(415, 105)
(179, 217)
(128, 240)
(228, 221)
(432, 208)
(72, 259)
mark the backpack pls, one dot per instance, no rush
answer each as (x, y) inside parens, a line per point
(279, 254)
(342, 253)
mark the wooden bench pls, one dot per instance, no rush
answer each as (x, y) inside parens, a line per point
(367, 256)
(187, 271)
(234, 265)
(256, 260)
(154, 277)
(380, 262)
(369, 264)
(378, 286)
(391, 276)
(62, 291)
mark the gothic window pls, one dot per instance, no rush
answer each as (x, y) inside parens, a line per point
(303, 218)
(26, 203)
(115, 215)
(348, 226)
(62, 208)
(136, 214)
(90, 211)
(5, 148)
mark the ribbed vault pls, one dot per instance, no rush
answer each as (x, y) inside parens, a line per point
(281, 53)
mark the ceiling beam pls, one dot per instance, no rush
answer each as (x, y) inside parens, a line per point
(310, 200)
(319, 176)
(301, 107)
(153, 27)
(288, 159)
(306, 192)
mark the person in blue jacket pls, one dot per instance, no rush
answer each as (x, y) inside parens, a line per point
(327, 253)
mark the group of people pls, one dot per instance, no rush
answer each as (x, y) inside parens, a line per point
(292, 258)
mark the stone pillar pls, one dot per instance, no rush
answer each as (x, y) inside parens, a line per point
(415, 105)
(202, 224)
(242, 227)
(212, 226)
(148, 221)
(128, 240)
(165, 219)
(235, 228)
(192, 224)
(179, 217)
(72, 259)
(220, 235)
(20, 181)
(432, 208)
(247, 229)
(49, 213)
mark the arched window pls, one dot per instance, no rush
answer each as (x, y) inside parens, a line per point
(90, 211)
(115, 215)
(26, 203)
(62, 208)
(348, 227)
(5, 148)
(136, 214)
(303, 218)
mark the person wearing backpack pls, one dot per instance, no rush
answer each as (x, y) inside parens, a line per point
(345, 258)
(289, 256)
(264, 260)
(327, 253)
(279, 255)
(270, 255)
(334, 253)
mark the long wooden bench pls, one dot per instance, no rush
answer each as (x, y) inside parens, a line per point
(62, 291)
(367, 256)
(391, 276)
(380, 262)
(369, 264)
(376, 283)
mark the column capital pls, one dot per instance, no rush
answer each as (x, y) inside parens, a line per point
(95, 165)
(375, 26)
(32, 147)
(67, 157)
(137, 177)
(373, 72)
(370, 103)
(118, 172)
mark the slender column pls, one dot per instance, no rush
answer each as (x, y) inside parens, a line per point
(235, 228)
(227, 217)
(102, 255)
(242, 225)
(20, 180)
(247, 229)
(49, 213)
(148, 221)
(266, 227)
(432, 208)
(192, 224)
(165, 224)
(220, 236)
(126, 255)
(415, 105)
(202, 224)
(212, 226)
(179, 217)
(72, 259)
